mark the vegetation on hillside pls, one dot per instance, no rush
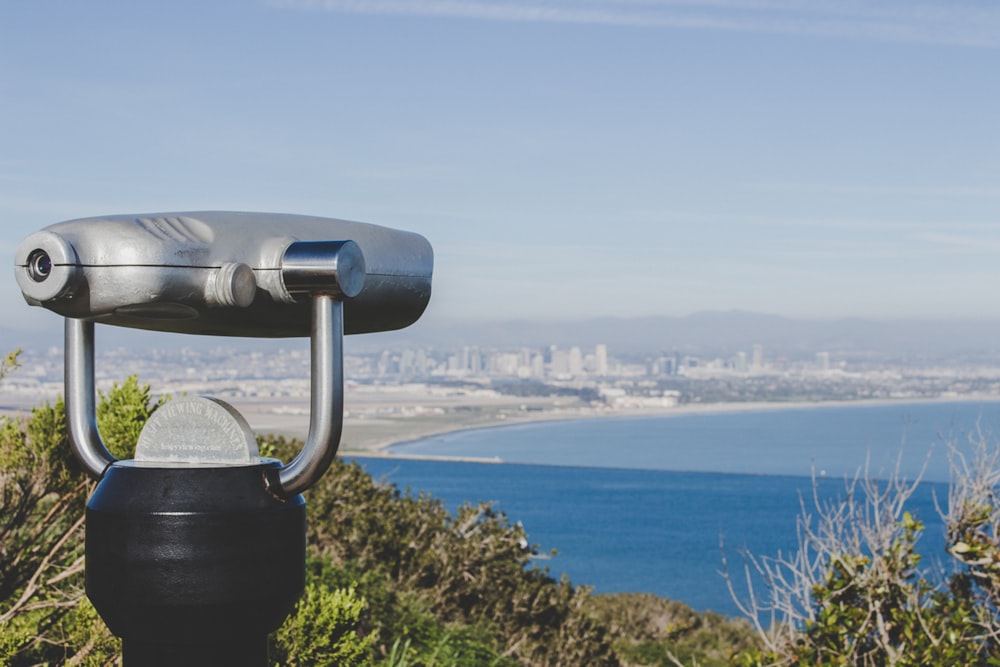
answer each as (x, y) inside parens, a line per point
(857, 592)
(394, 579)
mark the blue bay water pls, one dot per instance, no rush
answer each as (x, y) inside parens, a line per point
(646, 504)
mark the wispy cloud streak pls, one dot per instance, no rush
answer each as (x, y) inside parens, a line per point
(941, 191)
(962, 242)
(973, 23)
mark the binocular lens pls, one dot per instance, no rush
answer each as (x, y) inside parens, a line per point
(39, 265)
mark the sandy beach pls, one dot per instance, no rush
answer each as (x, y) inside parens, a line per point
(372, 426)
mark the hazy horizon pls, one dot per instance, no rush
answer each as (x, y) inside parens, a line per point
(709, 332)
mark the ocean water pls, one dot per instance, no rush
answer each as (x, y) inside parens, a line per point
(649, 504)
(834, 440)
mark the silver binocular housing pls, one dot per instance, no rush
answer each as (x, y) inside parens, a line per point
(219, 273)
(225, 273)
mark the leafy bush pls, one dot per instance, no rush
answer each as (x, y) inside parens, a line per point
(122, 413)
(44, 617)
(651, 630)
(855, 592)
(321, 630)
(469, 569)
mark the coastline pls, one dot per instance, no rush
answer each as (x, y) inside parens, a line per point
(381, 424)
(389, 446)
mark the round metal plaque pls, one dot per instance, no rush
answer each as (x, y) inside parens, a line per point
(197, 430)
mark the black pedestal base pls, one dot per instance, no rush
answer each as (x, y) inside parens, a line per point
(193, 565)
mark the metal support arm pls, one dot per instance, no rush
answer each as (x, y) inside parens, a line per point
(326, 416)
(326, 413)
(81, 401)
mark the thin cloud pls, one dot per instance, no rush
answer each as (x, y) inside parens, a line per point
(964, 23)
(948, 191)
(401, 172)
(962, 242)
(765, 221)
(918, 246)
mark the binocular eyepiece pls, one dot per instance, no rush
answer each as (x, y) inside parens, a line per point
(39, 265)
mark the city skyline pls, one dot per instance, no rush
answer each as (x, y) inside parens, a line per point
(470, 378)
(566, 160)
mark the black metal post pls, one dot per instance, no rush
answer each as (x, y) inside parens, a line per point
(193, 565)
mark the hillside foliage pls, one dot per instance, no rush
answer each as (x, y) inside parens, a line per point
(858, 592)
(397, 580)
(393, 579)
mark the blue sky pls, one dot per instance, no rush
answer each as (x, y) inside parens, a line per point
(566, 159)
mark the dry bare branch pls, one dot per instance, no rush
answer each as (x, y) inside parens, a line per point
(32, 586)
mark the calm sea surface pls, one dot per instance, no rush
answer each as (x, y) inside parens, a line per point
(648, 504)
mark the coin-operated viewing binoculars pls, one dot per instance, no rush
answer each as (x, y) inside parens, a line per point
(195, 550)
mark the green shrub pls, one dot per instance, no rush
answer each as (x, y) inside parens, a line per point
(321, 630)
(122, 413)
(856, 593)
(469, 569)
(651, 630)
(44, 615)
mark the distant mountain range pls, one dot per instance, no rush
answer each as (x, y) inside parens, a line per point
(711, 333)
